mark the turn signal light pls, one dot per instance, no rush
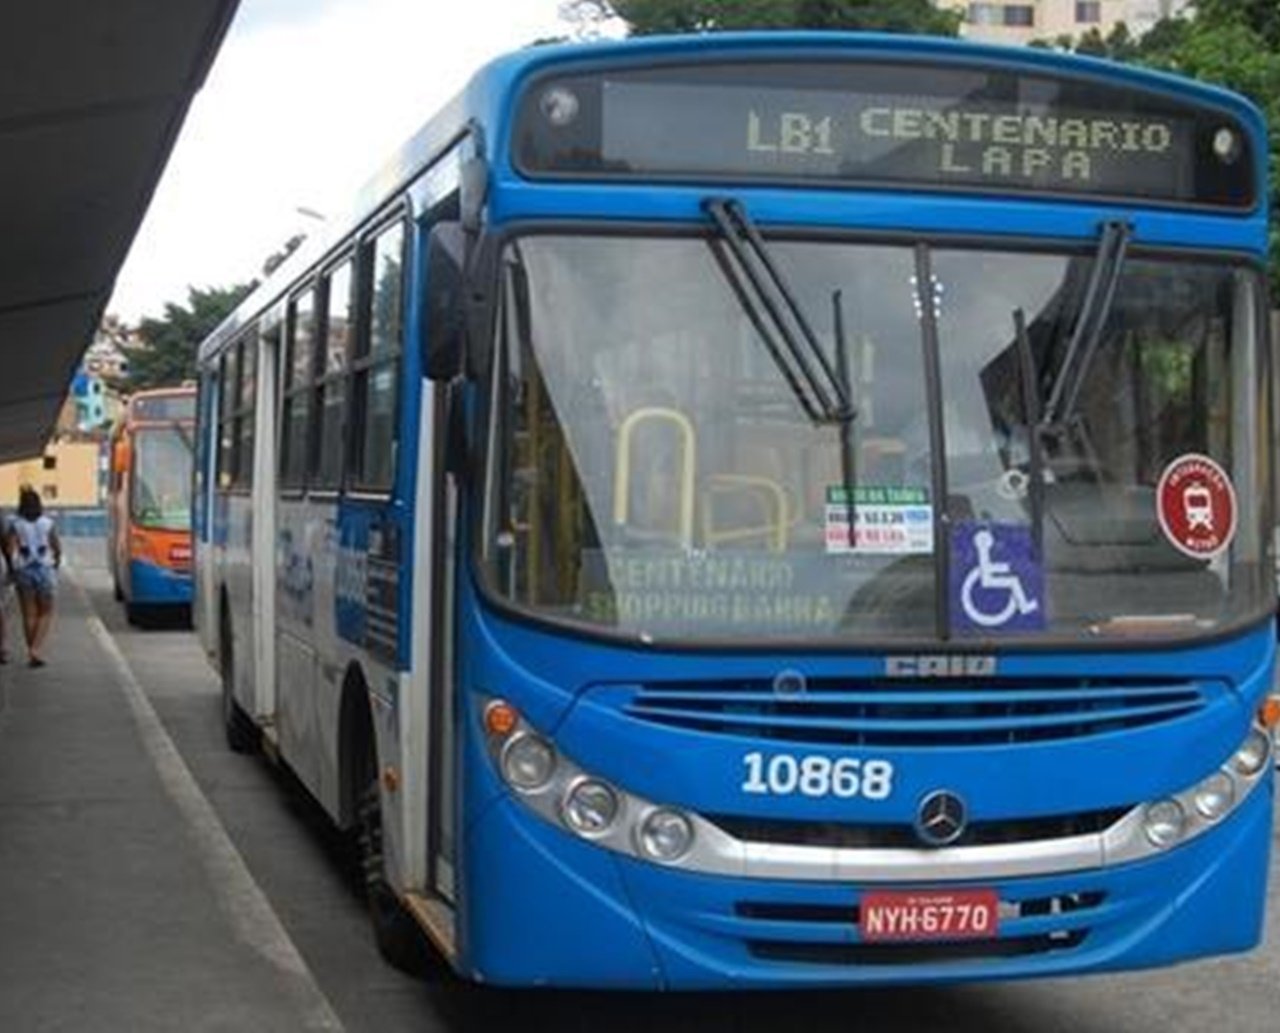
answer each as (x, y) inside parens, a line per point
(500, 719)
(1269, 712)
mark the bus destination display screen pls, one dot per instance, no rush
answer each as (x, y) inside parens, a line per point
(887, 126)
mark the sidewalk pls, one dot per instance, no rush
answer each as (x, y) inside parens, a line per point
(111, 915)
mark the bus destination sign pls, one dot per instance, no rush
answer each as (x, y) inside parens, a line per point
(864, 125)
(891, 139)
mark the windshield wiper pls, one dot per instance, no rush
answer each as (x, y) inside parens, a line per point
(771, 304)
(1091, 321)
(848, 446)
(823, 390)
(184, 435)
(1031, 402)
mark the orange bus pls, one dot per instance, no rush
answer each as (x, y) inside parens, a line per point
(149, 501)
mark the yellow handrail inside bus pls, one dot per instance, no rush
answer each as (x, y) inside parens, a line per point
(688, 463)
(774, 529)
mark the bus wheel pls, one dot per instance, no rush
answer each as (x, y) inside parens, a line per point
(400, 941)
(241, 732)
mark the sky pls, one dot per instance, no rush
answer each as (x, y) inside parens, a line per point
(303, 104)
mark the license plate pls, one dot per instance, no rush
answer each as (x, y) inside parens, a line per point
(928, 915)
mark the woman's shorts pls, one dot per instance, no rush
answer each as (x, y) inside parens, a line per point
(36, 579)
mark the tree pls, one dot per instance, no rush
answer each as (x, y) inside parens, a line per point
(1231, 43)
(649, 17)
(1231, 48)
(1262, 16)
(585, 16)
(167, 354)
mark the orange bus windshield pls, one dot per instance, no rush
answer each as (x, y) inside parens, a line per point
(162, 478)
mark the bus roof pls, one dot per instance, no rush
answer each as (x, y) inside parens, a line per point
(154, 397)
(488, 97)
(159, 392)
(510, 69)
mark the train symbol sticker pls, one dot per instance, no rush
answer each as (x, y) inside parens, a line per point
(1196, 506)
(997, 582)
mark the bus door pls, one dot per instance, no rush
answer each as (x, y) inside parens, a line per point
(204, 601)
(438, 516)
(264, 523)
(296, 547)
(443, 846)
(428, 848)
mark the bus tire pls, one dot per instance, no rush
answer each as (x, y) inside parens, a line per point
(240, 731)
(400, 941)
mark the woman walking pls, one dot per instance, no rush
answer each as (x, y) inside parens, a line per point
(36, 554)
(6, 579)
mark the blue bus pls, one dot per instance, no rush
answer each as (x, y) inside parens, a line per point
(769, 510)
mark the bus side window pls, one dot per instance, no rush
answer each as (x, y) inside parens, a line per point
(298, 369)
(248, 361)
(377, 363)
(227, 377)
(330, 398)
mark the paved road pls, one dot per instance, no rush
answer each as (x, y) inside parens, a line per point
(299, 865)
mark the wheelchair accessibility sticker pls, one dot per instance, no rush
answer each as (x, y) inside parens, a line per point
(997, 581)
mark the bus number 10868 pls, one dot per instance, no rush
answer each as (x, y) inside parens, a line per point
(784, 774)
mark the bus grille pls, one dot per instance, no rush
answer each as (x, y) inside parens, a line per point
(825, 933)
(902, 712)
(891, 836)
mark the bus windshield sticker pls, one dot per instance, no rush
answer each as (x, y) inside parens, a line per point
(1196, 504)
(729, 590)
(887, 521)
(997, 581)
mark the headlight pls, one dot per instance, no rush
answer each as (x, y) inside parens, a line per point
(1164, 823)
(1252, 755)
(591, 807)
(528, 761)
(665, 835)
(1215, 796)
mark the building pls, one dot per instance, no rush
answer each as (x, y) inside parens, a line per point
(105, 358)
(67, 475)
(1021, 21)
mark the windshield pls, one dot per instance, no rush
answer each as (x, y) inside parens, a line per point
(162, 478)
(656, 470)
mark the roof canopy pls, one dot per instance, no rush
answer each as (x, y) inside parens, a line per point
(92, 96)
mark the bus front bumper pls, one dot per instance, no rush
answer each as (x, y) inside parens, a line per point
(153, 585)
(544, 908)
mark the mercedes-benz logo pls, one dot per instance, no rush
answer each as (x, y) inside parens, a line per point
(790, 683)
(941, 819)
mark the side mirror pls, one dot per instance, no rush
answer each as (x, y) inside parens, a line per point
(444, 330)
(120, 457)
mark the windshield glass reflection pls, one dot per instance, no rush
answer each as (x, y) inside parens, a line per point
(162, 479)
(655, 470)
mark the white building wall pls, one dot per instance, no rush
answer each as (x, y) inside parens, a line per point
(1006, 21)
